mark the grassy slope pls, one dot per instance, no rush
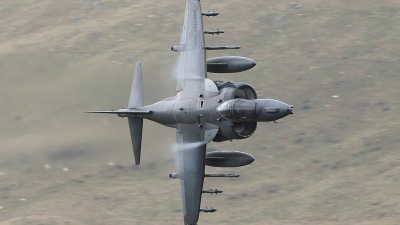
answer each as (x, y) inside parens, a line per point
(333, 162)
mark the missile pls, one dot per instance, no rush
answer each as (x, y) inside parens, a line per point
(217, 32)
(221, 47)
(207, 210)
(229, 64)
(212, 191)
(221, 175)
(174, 175)
(177, 48)
(210, 13)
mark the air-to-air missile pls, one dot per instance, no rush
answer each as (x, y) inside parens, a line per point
(212, 32)
(177, 48)
(176, 175)
(212, 191)
(182, 48)
(210, 13)
(221, 47)
(221, 175)
(207, 210)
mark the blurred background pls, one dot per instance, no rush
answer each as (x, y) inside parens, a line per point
(335, 161)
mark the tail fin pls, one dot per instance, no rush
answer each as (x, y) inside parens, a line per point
(136, 124)
(136, 97)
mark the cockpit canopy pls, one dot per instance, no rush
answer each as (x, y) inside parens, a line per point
(238, 110)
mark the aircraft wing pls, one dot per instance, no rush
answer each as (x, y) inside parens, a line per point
(190, 149)
(190, 154)
(192, 63)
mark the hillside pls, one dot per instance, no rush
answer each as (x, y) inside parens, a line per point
(335, 161)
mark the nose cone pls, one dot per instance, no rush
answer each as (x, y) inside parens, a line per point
(284, 109)
(290, 109)
(271, 110)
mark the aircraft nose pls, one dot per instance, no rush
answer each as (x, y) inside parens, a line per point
(284, 109)
(272, 109)
(290, 109)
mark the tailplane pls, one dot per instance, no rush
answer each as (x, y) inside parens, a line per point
(133, 112)
(136, 124)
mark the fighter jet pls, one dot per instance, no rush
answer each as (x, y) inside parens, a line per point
(202, 111)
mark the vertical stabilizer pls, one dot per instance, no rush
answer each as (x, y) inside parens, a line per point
(136, 124)
(136, 97)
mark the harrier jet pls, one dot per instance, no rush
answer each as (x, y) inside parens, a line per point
(202, 111)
